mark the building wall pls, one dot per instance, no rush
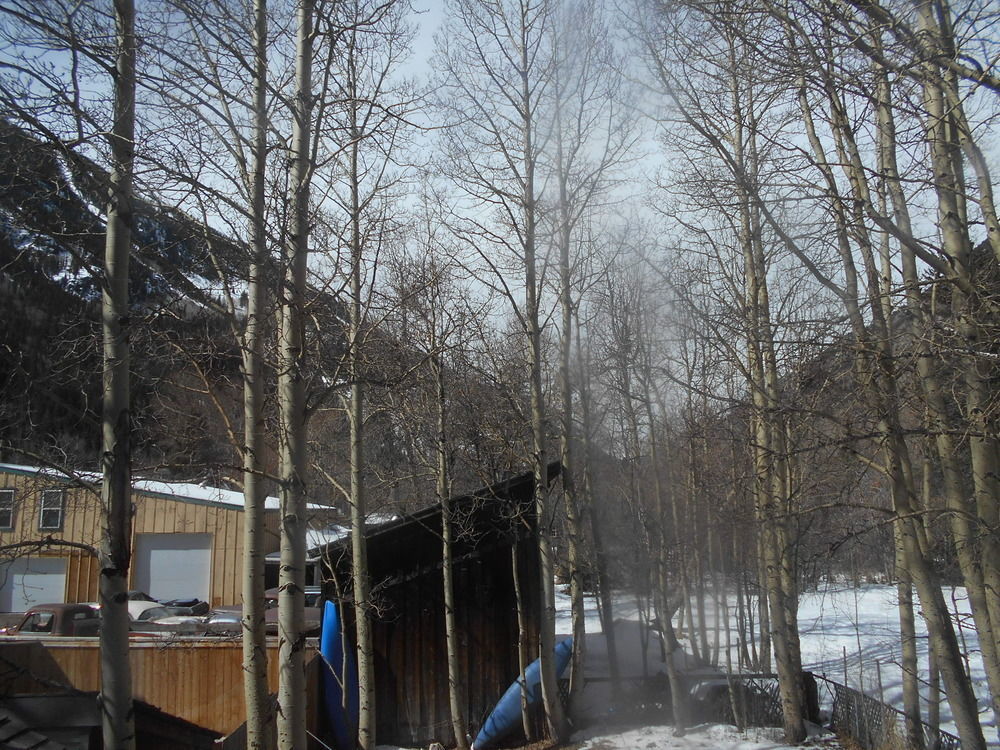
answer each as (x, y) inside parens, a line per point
(199, 680)
(154, 513)
(411, 664)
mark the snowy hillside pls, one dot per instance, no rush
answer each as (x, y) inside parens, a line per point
(52, 232)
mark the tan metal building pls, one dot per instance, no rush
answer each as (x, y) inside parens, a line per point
(187, 540)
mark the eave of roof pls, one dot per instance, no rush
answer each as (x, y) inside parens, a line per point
(501, 489)
(188, 492)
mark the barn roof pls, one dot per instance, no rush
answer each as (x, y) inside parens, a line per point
(482, 519)
(181, 491)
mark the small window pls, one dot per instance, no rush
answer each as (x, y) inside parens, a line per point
(39, 622)
(51, 514)
(6, 509)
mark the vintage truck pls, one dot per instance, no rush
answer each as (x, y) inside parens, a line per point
(58, 620)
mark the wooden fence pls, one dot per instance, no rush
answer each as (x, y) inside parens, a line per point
(197, 679)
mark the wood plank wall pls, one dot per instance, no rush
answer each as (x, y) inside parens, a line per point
(154, 514)
(198, 680)
(410, 656)
(159, 515)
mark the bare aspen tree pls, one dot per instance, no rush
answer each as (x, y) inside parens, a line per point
(495, 67)
(874, 363)
(116, 486)
(594, 522)
(592, 133)
(363, 132)
(437, 319)
(456, 688)
(953, 482)
(255, 688)
(54, 101)
(735, 140)
(291, 722)
(664, 510)
(947, 132)
(622, 294)
(633, 316)
(947, 185)
(874, 366)
(211, 90)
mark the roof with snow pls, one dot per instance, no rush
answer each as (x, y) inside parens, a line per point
(317, 538)
(183, 491)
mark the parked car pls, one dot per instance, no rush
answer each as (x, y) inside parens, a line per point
(187, 606)
(58, 620)
(228, 620)
(167, 615)
(137, 607)
(154, 618)
(313, 596)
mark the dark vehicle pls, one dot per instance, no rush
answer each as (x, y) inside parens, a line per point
(228, 619)
(313, 596)
(58, 620)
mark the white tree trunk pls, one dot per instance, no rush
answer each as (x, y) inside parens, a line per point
(291, 393)
(116, 488)
(255, 688)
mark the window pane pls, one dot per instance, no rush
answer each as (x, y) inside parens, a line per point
(6, 509)
(41, 622)
(51, 510)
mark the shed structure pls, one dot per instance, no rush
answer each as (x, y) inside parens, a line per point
(495, 540)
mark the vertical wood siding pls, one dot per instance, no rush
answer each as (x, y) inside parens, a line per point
(197, 680)
(410, 654)
(153, 514)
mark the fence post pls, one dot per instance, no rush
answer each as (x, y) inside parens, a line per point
(868, 722)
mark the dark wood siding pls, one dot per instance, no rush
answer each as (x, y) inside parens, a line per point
(411, 660)
(411, 671)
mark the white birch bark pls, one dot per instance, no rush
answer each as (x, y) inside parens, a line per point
(260, 721)
(291, 723)
(116, 487)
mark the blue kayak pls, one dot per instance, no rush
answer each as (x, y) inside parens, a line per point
(340, 679)
(507, 714)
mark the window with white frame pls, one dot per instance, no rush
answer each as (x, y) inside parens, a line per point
(50, 514)
(6, 509)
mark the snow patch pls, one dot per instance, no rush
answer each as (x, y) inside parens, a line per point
(707, 736)
(66, 172)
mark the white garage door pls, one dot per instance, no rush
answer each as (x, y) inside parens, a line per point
(28, 581)
(173, 566)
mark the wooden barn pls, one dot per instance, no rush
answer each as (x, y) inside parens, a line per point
(494, 531)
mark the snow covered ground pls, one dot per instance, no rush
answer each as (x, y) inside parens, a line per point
(704, 737)
(836, 622)
(848, 634)
(863, 623)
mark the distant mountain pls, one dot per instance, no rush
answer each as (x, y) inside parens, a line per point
(52, 231)
(51, 254)
(186, 386)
